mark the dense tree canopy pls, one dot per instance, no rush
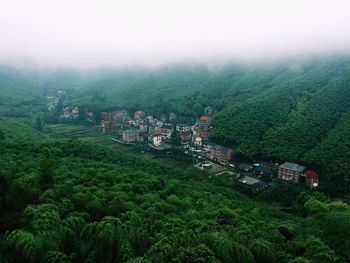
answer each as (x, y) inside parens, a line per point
(71, 201)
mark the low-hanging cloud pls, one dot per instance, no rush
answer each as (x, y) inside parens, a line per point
(89, 33)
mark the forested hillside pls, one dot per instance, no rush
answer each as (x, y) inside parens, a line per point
(290, 111)
(74, 201)
(286, 111)
(77, 202)
(18, 85)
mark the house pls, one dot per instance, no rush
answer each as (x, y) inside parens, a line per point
(311, 179)
(120, 115)
(183, 127)
(208, 110)
(155, 138)
(139, 115)
(166, 130)
(252, 184)
(106, 126)
(71, 113)
(204, 122)
(220, 153)
(203, 134)
(198, 142)
(131, 135)
(105, 116)
(290, 172)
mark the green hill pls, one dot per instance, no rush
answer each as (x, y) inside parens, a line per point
(286, 111)
(74, 201)
(70, 201)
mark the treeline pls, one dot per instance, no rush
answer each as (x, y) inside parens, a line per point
(71, 201)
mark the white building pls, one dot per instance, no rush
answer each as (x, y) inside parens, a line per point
(156, 139)
(183, 127)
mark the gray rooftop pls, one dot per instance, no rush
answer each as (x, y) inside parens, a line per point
(249, 180)
(292, 166)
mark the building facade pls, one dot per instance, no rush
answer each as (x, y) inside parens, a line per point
(183, 127)
(290, 172)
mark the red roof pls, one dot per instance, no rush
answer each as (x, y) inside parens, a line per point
(104, 112)
(204, 118)
(311, 174)
(156, 133)
(201, 132)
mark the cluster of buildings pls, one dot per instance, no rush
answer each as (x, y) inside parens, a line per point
(52, 101)
(70, 113)
(296, 173)
(140, 127)
(288, 172)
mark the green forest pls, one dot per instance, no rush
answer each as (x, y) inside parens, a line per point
(68, 200)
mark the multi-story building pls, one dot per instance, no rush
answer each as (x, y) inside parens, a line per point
(166, 130)
(131, 135)
(71, 112)
(139, 115)
(198, 142)
(106, 126)
(220, 153)
(155, 138)
(183, 127)
(290, 172)
(153, 128)
(204, 122)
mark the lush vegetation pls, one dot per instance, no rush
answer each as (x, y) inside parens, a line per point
(73, 201)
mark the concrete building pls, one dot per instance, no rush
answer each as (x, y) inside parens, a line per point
(220, 153)
(166, 130)
(204, 122)
(290, 172)
(183, 127)
(131, 135)
(71, 113)
(155, 138)
(106, 126)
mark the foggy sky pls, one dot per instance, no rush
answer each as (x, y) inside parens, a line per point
(89, 33)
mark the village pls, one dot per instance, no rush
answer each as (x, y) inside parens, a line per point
(165, 133)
